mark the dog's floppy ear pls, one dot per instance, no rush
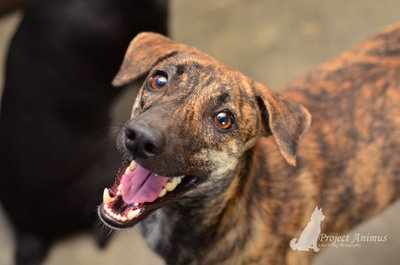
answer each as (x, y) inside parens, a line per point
(144, 51)
(285, 119)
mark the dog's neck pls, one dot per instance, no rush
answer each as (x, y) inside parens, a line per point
(212, 228)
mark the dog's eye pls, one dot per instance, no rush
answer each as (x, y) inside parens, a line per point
(158, 82)
(223, 119)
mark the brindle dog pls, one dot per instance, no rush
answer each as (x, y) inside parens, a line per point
(242, 195)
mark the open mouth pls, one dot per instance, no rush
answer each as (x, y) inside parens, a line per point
(137, 192)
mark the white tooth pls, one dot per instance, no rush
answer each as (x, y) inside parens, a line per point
(176, 180)
(175, 183)
(124, 218)
(133, 165)
(136, 204)
(127, 170)
(132, 214)
(169, 186)
(179, 180)
(162, 193)
(120, 187)
(106, 197)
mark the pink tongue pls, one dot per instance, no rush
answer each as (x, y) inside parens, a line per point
(141, 186)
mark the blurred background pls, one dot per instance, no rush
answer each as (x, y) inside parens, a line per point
(271, 41)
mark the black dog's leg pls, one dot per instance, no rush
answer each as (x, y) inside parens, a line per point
(31, 249)
(102, 235)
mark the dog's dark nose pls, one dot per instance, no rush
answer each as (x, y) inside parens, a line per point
(143, 141)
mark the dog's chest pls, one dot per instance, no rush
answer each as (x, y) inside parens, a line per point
(156, 229)
(171, 236)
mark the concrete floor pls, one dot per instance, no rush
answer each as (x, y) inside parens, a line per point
(271, 41)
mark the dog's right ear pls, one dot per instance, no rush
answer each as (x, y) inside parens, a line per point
(144, 51)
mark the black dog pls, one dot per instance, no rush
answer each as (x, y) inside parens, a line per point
(55, 111)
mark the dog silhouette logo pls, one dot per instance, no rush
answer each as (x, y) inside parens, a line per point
(309, 237)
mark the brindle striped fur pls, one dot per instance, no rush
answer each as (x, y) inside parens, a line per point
(256, 197)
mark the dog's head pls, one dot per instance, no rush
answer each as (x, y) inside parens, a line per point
(191, 124)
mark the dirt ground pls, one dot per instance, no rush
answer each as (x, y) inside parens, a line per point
(271, 41)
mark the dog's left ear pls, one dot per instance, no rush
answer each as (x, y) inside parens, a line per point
(285, 119)
(144, 51)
